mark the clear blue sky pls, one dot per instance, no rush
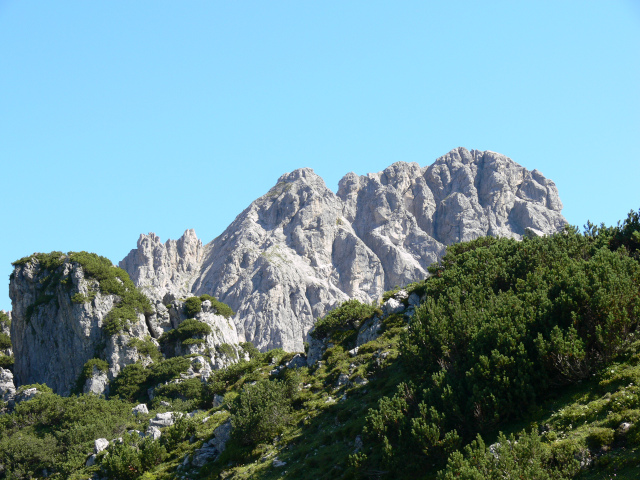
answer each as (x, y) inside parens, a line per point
(120, 118)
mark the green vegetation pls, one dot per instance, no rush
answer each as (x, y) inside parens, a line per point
(261, 412)
(6, 361)
(87, 371)
(56, 433)
(5, 321)
(146, 347)
(112, 281)
(347, 317)
(134, 380)
(522, 361)
(5, 341)
(192, 306)
(190, 328)
(220, 308)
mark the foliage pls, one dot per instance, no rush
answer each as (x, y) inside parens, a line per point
(220, 308)
(227, 350)
(129, 459)
(82, 298)
(522, 457)
(134, 380)
(192, 390)
(190, 328)
(348, 316)
(5, 341)
(46, 261)
(192, 306)
(146, 347)
(181, 430)
(55, 433)
(504, 322)
(5, 321)
(6, 361)
(261, 412)
(87, 371)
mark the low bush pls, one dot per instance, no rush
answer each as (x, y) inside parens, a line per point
(192, 306)
(348, 316)
(261, 412)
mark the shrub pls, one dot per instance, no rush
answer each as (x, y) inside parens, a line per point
(5, 341)
(192, 306)
(261, 412)
(177, 433)
(599, 437)
(132, 457)
(347, 316)
(524, 457)
(146, 347)
(5, 321)
(7, 361)
(227, 350)
(220, 308)
(190, 328)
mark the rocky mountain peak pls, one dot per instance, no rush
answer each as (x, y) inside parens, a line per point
(300, 249)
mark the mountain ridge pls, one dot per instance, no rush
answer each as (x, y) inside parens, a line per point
(300, 249)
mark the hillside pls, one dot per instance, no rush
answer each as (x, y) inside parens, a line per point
(535, 338)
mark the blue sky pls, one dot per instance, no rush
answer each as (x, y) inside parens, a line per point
(120, 118)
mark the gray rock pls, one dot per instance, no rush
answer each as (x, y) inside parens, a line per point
(392, 306)
(100, 444)
(140, 408)
(7, 387)
(401, 295)
(624, 427)
(165, 270)
(26, 394)
(217, 400)
(300, 250)
(316, 350)
(162, 420)
(62, 329)
(354, 351)
(370, 330)
(358, 444)
(212, 449)
(97, 383)
(414, 300)
(343, 379)
(299, 360)
(360, 381)
(278, 463)
(153, 432)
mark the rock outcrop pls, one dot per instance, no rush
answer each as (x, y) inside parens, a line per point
(299, 250)
(57, 324)
(220, 346)
(165, 268)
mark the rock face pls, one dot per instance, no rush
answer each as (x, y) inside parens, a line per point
(159, 268)
(54, 334)
(299, 250)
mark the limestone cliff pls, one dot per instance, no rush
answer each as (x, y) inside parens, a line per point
(300, 249)
(59, 317)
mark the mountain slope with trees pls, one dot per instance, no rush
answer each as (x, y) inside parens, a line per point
(536, 338)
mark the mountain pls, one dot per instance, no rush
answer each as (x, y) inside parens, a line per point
(300, 249)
